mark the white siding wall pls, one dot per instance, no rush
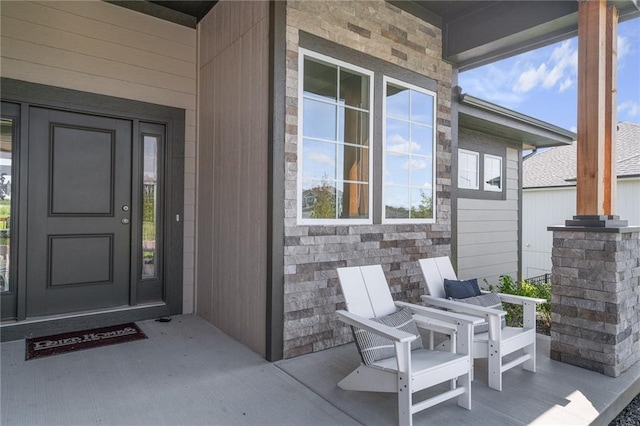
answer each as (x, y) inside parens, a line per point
(629, 200)
(101, 48)
(552, 206)
(540, 209)
(488, 232)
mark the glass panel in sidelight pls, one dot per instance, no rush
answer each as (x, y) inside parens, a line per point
(6, 145)
(150, 207)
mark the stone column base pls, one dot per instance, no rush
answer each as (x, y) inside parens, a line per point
(595, 302)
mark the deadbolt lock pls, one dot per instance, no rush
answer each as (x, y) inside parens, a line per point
(125, 208)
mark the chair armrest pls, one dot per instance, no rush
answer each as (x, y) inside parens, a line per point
(458, 326)
(461, 307)
(375, 327)
(438, 316)
(518, 300)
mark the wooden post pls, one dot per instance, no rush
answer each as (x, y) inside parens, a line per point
(596, 230)
(611, 125)
(597, 31)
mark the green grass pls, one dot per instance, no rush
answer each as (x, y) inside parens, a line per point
(5, 208)
(148, 231)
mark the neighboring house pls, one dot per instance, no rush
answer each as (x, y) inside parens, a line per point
(549, 194)
(239, 109)
(487, 204)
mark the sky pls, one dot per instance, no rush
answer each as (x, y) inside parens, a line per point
(543, 83)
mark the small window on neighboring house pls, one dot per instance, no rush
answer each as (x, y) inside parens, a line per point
(334, 145)
(492, 173)
(409, 146)
(468, 170)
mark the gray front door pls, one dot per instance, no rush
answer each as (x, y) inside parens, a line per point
(79, 212)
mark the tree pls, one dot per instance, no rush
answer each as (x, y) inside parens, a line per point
(424, 210)
(325, 201)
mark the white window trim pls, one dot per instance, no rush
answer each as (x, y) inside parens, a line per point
(477, 156)
(385, 81)
(486, 187)
(307, 221)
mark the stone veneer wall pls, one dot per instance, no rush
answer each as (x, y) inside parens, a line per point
(596, 294)
(312, 253)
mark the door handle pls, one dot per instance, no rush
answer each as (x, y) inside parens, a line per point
(125, 221)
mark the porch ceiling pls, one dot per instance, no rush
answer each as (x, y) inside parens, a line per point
(187, 13)
(476, 33)
(197, 9)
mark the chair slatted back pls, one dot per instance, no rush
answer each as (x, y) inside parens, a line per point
(435, 270)
(366, 291)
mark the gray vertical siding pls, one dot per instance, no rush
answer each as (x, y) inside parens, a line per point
(233, 170)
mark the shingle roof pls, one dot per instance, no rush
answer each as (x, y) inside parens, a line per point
(557, 166)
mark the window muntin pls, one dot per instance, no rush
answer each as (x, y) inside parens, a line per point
(334, 146)
(468, 169)
(409, 161)
(492, 179)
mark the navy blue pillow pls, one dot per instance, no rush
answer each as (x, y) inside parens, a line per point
(461, 289)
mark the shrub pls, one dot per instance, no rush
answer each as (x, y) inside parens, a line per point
(524, 288)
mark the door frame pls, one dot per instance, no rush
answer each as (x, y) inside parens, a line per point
(27, 94)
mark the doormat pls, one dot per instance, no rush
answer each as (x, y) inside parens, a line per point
(68, 342)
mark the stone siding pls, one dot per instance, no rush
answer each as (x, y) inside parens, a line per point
(312, 253)
(596, 292)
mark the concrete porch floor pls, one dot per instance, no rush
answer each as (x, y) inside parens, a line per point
(188, 372)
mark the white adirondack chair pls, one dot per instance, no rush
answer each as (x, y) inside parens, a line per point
(497, 342)
(367, 296)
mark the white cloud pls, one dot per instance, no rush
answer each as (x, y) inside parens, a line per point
(565, 84)
(494, 83)
(415, 164)
(574, 129)
(396, 143)
(530, 78)
(320, 158)
(624, 47)
(556, 71)
(629, 108)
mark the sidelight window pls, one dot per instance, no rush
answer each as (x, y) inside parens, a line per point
(6, 163)
(150, 207)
